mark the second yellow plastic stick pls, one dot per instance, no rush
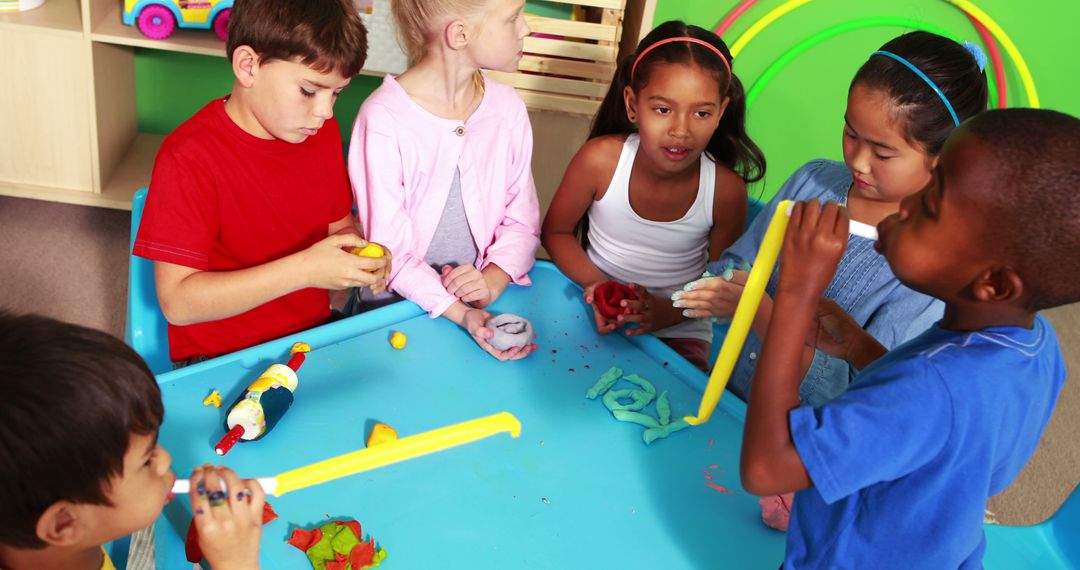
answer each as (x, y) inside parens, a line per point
(395, 451)
(744, 314)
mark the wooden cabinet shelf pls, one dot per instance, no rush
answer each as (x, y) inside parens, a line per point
(67, 101)
(55, 15)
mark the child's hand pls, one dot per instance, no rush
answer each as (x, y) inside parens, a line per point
(474, 321)
(603, 324)
(466, 283)
(228, 516)
(641, 311)
(815, 241)
(383, 275)
(711, 296)
(835, 333)
(329, 265)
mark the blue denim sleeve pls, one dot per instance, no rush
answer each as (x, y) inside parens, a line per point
(904, 315)
(799, 186)
(827, 378)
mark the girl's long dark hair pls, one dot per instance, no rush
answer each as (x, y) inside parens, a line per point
(730, 145)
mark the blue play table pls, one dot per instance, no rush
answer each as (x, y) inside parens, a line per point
(578, 489)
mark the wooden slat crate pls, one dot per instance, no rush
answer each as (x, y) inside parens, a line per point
(568, 64)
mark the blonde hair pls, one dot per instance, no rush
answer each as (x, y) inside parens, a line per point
(416, 19)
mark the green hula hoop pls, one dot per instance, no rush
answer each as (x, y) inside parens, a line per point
(776, 66)
(965, 5)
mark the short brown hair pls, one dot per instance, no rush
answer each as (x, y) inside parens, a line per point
(326, 35)
(1032, 214)
(73, 397)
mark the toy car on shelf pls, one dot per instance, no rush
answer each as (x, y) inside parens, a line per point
(158, 19)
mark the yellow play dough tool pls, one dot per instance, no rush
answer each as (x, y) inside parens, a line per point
(744, 313)
(394, 451)
(383, 454)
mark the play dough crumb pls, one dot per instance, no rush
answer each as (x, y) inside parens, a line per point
(398, 340)
(214, 399)
(381, 433)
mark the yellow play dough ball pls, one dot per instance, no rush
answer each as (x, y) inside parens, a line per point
(370, 250)
(398, 340)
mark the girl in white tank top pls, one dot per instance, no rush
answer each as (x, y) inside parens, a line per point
(659, 188)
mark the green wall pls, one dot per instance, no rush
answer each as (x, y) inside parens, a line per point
(799, 115)
(170, 86)
(796, 118)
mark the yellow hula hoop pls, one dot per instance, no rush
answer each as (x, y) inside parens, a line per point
(1007, 43)
(763, 23)
(965, 5)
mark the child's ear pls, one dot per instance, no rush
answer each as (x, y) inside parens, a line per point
(630, 98)
(933, 161)
(457, 35)
(60, 525)
(245, 64)
(723, 106)
(998, 285)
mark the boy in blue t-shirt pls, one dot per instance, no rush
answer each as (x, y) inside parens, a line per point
(896, 472)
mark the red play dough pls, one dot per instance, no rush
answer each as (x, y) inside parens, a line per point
(608, 295)
(362, 554)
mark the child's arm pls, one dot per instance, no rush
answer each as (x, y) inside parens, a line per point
(188, 295)
(229, 528)
(837, 334)
(513, 250)
(815, 241)
(571, 203)
(348, 225)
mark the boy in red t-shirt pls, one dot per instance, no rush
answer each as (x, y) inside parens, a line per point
(249, 213)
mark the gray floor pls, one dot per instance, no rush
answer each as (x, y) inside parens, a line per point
(70, 262)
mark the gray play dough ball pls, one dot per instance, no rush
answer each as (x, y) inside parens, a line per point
(510, 331)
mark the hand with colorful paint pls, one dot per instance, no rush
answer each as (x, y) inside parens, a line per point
(228, 516)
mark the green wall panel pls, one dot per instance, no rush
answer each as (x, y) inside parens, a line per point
(170, 87)
(799, 115)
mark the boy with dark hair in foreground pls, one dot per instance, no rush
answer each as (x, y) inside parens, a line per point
(896, 472)
(80, 463)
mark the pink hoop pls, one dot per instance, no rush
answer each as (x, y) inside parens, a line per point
(686, 39)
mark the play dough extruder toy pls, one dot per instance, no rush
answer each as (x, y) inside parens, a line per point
(748, 306)
(383, 454)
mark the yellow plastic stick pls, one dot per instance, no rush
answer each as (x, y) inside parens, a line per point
(396, 451)
(744, 313)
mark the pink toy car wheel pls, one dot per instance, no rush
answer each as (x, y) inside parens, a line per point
(221, 23)
(157, 22)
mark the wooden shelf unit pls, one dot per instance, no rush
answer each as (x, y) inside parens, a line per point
(70, 129)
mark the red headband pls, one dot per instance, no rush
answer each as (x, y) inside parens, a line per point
(688, 39)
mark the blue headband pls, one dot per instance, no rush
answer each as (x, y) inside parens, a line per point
(923, 76)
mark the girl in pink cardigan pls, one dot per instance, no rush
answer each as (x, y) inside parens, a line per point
(440, 163)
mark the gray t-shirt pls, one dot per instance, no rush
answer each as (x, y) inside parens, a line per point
(452, 244)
